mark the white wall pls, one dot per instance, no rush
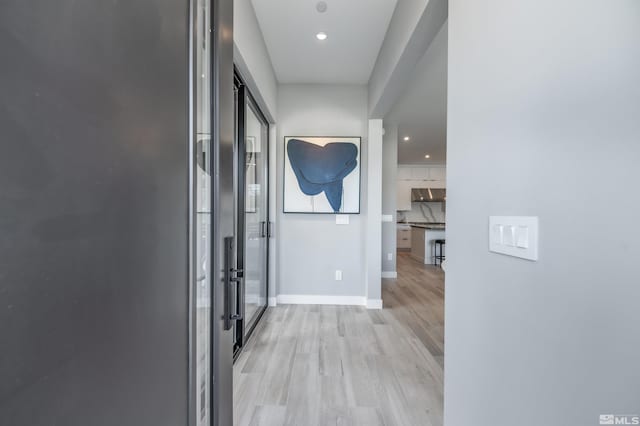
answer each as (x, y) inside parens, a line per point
(273, 214)
(252, 58)
(413, 26)
(403, 22)
(311, 247)
(544, 108)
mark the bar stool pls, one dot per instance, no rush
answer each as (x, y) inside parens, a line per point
(438, 244)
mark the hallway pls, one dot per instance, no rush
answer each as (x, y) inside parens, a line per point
(319, 365)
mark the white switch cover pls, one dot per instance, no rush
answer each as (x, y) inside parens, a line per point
(389, 256)
(387, 218)
(497, 234)
(509, 236)
(522, 237)
(342, 219)
(514, 236)
(338, 275)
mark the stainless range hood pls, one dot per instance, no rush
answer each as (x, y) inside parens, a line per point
(426, 195)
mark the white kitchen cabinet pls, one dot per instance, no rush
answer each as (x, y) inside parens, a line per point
(403, 240)
(422, 174)
(409, 177)
(437, 173)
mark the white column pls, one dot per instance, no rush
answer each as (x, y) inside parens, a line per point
(373, 229)
(273, 215)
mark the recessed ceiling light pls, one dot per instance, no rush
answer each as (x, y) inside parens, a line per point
(321, 6)
(321, 36)
(406, 138)
(427, 156)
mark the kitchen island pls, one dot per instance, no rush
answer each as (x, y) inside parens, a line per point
(422, 241)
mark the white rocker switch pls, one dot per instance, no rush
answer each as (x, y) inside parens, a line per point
(515, 236)
(522, 237)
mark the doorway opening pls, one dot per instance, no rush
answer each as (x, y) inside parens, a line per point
(413, 289)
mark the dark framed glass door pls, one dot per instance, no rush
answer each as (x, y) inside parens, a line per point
(212, 271)
(202, 192)
(253, 226)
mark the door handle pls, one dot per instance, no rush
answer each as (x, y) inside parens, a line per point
(263, 229)
(231, 277)
(270, 230)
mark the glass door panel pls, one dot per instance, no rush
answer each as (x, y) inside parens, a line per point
(256, 221)
(202, 187)
(252, 215)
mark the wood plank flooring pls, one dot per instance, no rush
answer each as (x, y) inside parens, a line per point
(309, 365)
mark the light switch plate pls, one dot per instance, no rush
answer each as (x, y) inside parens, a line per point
(342, 219)
(387, 218)
(514, 236)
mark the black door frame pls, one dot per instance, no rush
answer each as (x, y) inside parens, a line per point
(244, 99)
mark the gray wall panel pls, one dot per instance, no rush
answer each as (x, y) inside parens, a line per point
(93, 222)
(389, 195)
(312, 246)
(543, 120)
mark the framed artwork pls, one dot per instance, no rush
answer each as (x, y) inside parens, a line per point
(322, 174)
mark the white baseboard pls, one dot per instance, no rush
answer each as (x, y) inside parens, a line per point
(312, 299)
(389, 274)
(273, 301)
(255, 299)
(374, 303)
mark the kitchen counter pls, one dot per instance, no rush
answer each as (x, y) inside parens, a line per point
(424, 225)
(422, 241)
(440, 227)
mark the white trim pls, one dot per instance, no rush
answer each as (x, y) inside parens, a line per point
(273, 301)
(389, 274)
(374, 303)
(254, 299)
(313, 299)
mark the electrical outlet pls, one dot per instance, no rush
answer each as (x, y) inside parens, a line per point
(338, 275)
(389, 256)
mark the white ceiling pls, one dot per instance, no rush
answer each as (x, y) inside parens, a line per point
(421, 111)
(355, 29)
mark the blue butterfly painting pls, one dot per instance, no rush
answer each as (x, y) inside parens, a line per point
(322, 168)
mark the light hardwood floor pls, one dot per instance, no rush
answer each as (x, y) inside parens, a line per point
(309, 365)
